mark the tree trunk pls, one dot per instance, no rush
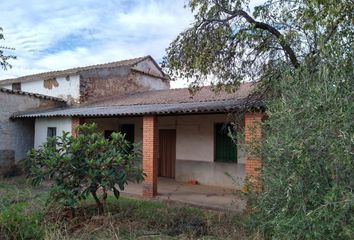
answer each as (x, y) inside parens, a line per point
(98, 202)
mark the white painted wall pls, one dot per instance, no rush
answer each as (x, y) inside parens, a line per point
(42, 124)
(151, 82)
(195, 136)
(115, 124)
(194, 133)
(195, 151)
(67, 89)
(149, 67)
(194, 147)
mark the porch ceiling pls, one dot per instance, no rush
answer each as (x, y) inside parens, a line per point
(145, 109)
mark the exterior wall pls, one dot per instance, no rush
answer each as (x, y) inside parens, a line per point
(107, 82)
(115, 123)
(253, 134)
(99, 83)
(149, 67)
(149, 83)
(195, 151)
(67, 88)
(194, 147)
(17, 137)
(42, 124)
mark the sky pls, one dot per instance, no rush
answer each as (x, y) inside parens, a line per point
(58, 34)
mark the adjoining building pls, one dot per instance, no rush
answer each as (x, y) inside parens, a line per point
(183, 137)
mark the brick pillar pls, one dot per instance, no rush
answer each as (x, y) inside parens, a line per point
(150, 151)
(253, 133)
(75, 122)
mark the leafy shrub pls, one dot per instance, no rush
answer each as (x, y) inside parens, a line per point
(83, 165)
(15, 223)
(308, 156)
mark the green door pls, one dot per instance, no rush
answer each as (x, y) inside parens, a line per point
(225, 147)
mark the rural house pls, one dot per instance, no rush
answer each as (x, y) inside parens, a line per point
(183, 136)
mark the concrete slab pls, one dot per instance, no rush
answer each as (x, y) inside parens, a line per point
(197, 195)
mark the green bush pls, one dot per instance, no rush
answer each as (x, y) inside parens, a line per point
(16, 223)
(81, 166)
(308, 155)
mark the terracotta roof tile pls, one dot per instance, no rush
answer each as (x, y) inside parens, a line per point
(180, 95)
(162, 102)
(73, 71)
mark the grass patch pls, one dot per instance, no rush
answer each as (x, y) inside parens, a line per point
(124, 218)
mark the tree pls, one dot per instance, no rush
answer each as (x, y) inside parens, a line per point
(4, 57)
(301, 55)
(230, 44)
(308, 156)
(83, 165)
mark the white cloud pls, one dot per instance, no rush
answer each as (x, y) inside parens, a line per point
(54, 35)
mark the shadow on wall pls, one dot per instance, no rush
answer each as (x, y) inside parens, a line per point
(8, 168)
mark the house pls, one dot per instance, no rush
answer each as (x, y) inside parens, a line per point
(17, 137)
(183, 136)
(84, 84)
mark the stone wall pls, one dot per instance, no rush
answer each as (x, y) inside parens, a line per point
(105, 82)
(17, 137)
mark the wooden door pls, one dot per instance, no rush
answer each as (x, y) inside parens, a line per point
(167, 153)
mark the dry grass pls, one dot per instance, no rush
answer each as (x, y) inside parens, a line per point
(124, 218)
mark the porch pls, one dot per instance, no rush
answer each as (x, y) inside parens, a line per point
(209, 197)
(179, 149)
(181, 137)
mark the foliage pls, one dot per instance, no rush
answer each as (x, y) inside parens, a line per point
(302, 54)
(153, 219)
(83, 165)
(142, 218)
(15, 223)
(228, 43)
(4, 56)
(308, 156)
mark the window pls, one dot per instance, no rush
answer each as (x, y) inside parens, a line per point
(16, 86)
(51, 132)
(128, 130)
(108, 133)
(225, 147)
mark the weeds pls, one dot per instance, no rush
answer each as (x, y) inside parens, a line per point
(17, 223)
(124, 219)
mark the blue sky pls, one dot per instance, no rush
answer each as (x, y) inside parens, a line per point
(58, 34)
(53, 35)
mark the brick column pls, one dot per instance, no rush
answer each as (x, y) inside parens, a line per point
(253, 133)
(150, 151)
(75, 122)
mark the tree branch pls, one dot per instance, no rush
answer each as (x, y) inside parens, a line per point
(264, 26)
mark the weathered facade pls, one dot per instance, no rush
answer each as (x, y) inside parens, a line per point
(86, 84)
(182, 136)
(115, 81)
(178, 133)
(16, 137)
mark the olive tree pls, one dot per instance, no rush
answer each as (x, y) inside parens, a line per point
(4, 55)
(301, 54)
(230, 42)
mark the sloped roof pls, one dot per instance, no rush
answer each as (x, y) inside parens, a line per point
(163, 102)
(77, 70)
(36, 95)
(179, 95)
